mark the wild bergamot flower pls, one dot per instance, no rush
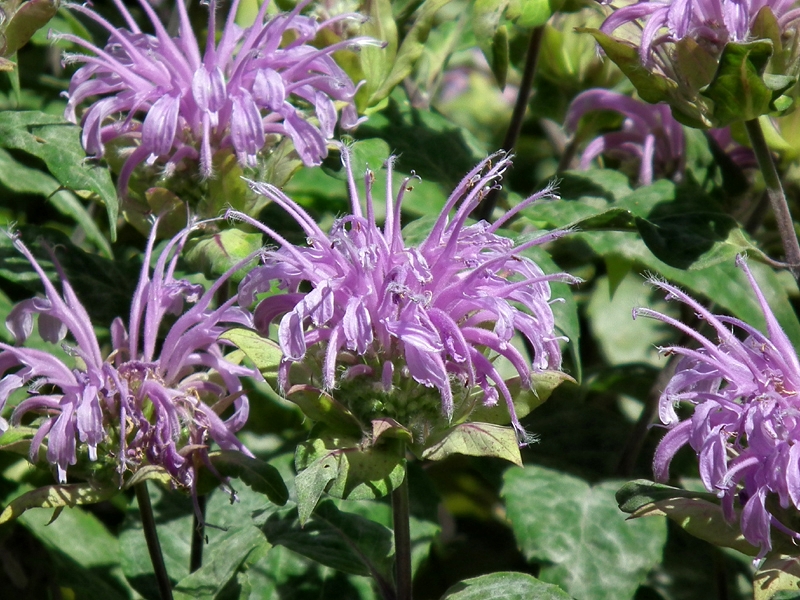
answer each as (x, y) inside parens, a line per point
(176, 102)
(147, 401)
(362, 305)
(745, 426)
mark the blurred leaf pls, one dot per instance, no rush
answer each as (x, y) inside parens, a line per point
(377, 63)
(474, 439)
(508, 586)
(27, 20)
(337, 539)
(777, 574)
(58, 497)
(260, 476)
(85, 554)
(533, 13)
(221, 561)
(575, 531)
(410, 49)
(215, 253)
(58, 144)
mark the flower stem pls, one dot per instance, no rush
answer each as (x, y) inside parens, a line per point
(777, 198)
(485, 209)
(402, 538)
(198, 535)
(151, 536)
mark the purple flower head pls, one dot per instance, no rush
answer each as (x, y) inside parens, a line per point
(745, 427)
(649, 137)
(180, 103)
(362, 304)
(138, 404)
(710, 23)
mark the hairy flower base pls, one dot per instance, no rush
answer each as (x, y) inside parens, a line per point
(439, 314)
(745, 427)
(136, 405)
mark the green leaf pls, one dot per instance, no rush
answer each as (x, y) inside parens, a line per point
(17, 439)
(215, 253)
(265, 354)
(58, 497)
(221, 562)
(58, 144)
(525, 400)
(778, 574)
(27, 20)
(575, 531)
(260, 476)
(25, 180)
(85, 554)
(410, 49)
(362, 471)
(739, 91)
(377, 63)
(635, 494)
(701, 518)
(474, 439)
(340, 540)
(533, 13)
(322, 407)
(505, 586)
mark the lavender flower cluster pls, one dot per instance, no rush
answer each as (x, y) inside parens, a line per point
(140, 403)
(234, 94)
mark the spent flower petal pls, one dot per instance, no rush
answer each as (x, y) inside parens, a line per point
(362, 304)
(745, 427)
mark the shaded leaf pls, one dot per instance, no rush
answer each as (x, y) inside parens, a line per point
(505, 586)
(221, 561)
(584, 544)
(778, 574)
(215, 253)
(58, 144)
(56, 496)
(260, 476)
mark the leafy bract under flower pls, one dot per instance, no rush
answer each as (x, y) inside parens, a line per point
(364, 305)
(233, 95)
(745, 427)
(137, 405)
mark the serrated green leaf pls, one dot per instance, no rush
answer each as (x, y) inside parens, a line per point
(505, 586)
(584, 544)
(260, 476)
(58, 144)
(56, 496)
(474, 439)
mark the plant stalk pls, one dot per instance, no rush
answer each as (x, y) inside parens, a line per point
(151, 536)
(776, 195)
(485, 209)
(198, 535)
(402, 538)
